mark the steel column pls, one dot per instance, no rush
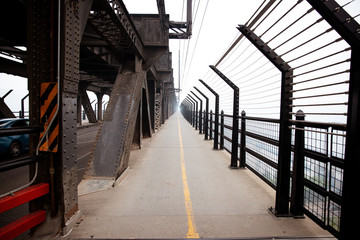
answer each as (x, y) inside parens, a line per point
(206, 120)
(196, 110)
(85, 101)
(193, 111)
(297, 189)
(283, 175)
(190, 106)
(110, 155)
(243, 140)
(348, 28)
(200, 112)
(216, 130)
(235, 125)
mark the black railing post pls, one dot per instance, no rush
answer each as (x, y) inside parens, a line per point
(196, 110)
(283, 171)
(188, 114)
(206, 122)
(297, 189)
(192, 122)
(243, 140)
(187, 110)
(22, 115)
(193, 111)
(235, 115)
(200, 112)
(222, 130)
(216, 130)
(210, 124)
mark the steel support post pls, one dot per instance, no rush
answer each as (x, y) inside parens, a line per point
(211, 115)
(85, 101)
(216, 129)
(200, 112)
(235, 122)
(222, 130)
(111, 152)
(189, 113)
(193, 112)
(69, 82)
(283, 175)
(99, 105)
(348, 28)
(350, 200)
(206, 120)
(297, 189)
(189, 104)
(196, 110)
(53, 46)
(243, 140)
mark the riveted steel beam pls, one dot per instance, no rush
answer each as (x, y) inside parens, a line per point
(110, 155)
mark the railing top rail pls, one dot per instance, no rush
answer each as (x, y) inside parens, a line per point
(337, 126)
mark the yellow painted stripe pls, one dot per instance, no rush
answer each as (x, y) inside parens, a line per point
(188, 206)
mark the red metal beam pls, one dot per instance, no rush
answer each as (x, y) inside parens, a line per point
(21, 225)
(23, 196)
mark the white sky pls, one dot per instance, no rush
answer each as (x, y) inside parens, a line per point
(213, 32)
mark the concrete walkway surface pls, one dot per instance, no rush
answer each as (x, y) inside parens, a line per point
(179, 187)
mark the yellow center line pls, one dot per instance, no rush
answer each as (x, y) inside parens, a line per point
(188, 206)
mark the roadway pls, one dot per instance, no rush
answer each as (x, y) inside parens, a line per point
(85, 141)
(86, 138)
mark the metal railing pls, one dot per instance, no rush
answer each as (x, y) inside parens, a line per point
(317, 160)
(23, 194)
(296, 55)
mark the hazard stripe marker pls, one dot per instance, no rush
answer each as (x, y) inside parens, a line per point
(48, 101)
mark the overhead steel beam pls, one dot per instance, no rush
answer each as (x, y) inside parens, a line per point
(111, 20)
(182, 30)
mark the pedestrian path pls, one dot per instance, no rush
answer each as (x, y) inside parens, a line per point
(177, 186)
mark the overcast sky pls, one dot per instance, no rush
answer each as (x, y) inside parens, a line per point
(214, 29)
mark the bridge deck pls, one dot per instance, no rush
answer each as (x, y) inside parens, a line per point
(167, 194)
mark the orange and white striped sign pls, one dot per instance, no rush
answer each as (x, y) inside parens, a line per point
(48, 106)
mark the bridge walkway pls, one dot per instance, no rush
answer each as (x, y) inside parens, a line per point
(178, 187)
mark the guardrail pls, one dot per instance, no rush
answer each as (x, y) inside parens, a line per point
(317, 160)
(23, 194)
